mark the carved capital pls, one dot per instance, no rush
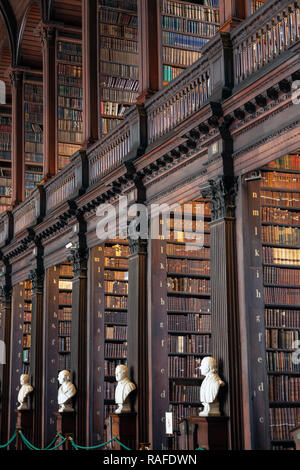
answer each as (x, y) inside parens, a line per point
(47, 36)
(36, 276)
(15, 78)
(138, 246)
(222, 193)
(78, 258)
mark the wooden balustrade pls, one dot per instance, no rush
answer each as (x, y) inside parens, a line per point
(30, 211)
(179, 100)
(109, 152)
(60, 188)
(264, 36)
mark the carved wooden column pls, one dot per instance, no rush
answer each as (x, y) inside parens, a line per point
(232, 12)
(5, 332)
(79, 357)
(225, 315)
(18, 192)
(49, 99)
(90, 72)
(37, 364)
(138, 332)
(149, 37)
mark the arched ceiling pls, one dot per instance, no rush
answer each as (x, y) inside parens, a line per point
(67, 11)
(30, 48)
(5, 57)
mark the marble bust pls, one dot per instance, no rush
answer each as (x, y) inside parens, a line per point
(24, 392)
(123, 390)
(66, 392)
(210, 387)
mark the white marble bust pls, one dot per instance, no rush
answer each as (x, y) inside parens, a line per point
(123, 390)
(210, 387)
(65, 392)
(24, 392)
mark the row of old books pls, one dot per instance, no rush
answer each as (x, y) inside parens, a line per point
(183, 40)
(116, 287)
(27, 315)
(283, 256)
(190, 322)
(26, 343)
(289, 181)
(65, 270)
(282, 318)
(282, 362)
(108, 43)
(65, 298)
(115, 275)
(120, 96)
(117, 17)
(280, 198)
(282, 421)
(26, 354)
(70, 91)
(281, 339)
(184, 367)
(110, 366)
(66, 70)
(115, 317)
(64, 362)
(64, 344)
(181, 250)
(190, 10)
(181, 412)
(69, 51)
(287, 162)
(169, 72)
(26, 328)
(115, 302)
(183, 57)
(108, 125)
(69, 114)
(33, 93)
(274, 234)
(281, 276)
(109, 390)
(280, 216)
(115, 350)
(71, 136)
(119, 70)
(120, 83)
(282, 296)
(284, 388)
(115, 263)
(116, 31)
(189, 26)
(187, 266)
(112, 55)
(112, 109)
(188, 285)
(65, 284)
(64, 328)
(116, 332)
(189, 304)
(192, 344)
(74, 103)
(65, 314)
(185, 393)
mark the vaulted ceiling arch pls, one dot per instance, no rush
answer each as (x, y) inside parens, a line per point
(29, 48)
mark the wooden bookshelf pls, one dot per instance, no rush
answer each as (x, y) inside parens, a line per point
(5, 159)
(181, 320)
(33, 135)
(274, 202)
(26, 341)
(58, 344)
(115, 316)
(118, 62)
(186, 28)
(69, 100)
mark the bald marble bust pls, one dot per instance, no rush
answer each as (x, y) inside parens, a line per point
(210, 387)
(66, 392)
(24, 392)
(123, 390)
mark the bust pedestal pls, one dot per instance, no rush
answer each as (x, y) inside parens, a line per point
(209, 432)
(65, 425)
(123, 427)
(24, 424)
(295, 435)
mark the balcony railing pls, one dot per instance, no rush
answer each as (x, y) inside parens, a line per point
(27, 213)
(180, 99)
(265, 36)
(109, 152)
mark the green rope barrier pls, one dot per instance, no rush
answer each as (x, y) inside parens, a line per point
(77, 447)
(10, 441)
(32, 447)
(200, 448)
